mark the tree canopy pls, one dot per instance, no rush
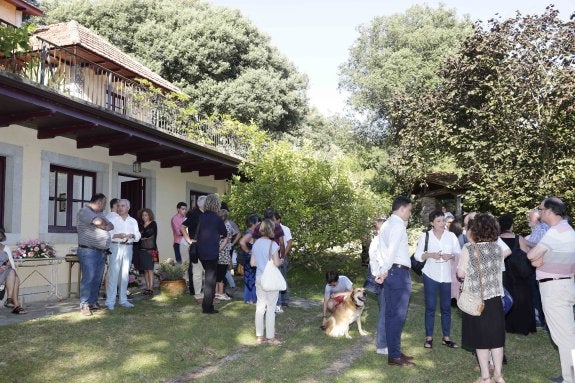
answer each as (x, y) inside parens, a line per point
(213, 54)
(401, 53)
(505, 113)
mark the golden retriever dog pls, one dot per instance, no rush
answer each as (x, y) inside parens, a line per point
(345, 313)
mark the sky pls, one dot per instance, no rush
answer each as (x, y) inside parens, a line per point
(315, 35)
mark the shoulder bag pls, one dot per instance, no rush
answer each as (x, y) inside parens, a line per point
(272, 278)
(468, 302)
(417, 266)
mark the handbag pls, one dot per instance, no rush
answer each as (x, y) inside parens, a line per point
(155, 256)
(507, 301)
(468, 302)
(193, 249)
(272, 278)
(416, 265)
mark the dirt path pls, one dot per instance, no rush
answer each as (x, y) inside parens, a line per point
(338, 366)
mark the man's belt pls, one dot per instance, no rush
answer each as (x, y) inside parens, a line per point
(552, 279)
(400, 266)
(91, 247)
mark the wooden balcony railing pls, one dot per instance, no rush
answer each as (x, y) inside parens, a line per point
(66, 72)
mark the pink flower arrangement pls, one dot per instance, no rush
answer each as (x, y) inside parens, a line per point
(34, 249)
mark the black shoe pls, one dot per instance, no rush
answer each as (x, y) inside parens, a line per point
(95, 307)
(210, 312)
(400, 362)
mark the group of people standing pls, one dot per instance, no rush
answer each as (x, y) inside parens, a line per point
(118, 239)
(486, 256)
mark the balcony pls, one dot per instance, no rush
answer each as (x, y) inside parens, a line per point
(69, 72)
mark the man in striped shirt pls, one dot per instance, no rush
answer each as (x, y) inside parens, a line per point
(554, 258)
(93, 245)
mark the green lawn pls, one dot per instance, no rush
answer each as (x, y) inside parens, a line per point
(163, 340)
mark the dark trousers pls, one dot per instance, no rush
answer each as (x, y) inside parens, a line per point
(190, 277)
(397, 289)
(177, 253)
(210, 268)
(430, 289)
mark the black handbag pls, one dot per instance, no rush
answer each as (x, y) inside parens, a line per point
(193, 249)
(417, 266)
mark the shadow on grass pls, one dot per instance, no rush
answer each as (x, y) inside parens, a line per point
(163, 340)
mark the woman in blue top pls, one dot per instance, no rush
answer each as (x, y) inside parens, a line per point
(263, 250)
(246, 244)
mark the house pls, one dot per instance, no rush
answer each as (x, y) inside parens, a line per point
(438, 189)
(74, 122)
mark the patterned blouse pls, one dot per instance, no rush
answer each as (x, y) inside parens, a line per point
(225, 256)
(490, 264)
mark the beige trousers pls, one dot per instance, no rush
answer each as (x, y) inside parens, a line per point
(265, 306)
(197, 271)
(558, 298)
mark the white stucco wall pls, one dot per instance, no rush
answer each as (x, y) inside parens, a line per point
(28, 167)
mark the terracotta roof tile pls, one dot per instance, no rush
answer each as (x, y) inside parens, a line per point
(72, 33)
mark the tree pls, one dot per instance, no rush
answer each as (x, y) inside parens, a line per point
(213, 54)
(321, 203)
(399, 54)
(505, 112)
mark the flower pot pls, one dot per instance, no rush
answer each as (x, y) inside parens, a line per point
(173, 288)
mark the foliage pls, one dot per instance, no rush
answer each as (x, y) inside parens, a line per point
(14, 39)
(321, 202)
(399, 54)
(505, 113)
(170, 270)
(215, 55)
(34, 249)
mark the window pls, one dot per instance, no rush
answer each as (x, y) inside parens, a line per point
(2, 188)
(70, 189)
(115, 102)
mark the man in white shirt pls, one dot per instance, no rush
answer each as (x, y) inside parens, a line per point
(392, 267)
(283, 298)
(124, 234)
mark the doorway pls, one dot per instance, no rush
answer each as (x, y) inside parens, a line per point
(134, 190)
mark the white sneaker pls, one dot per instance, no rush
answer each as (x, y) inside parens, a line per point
(279, 309)
(382, 351)
(223, 297)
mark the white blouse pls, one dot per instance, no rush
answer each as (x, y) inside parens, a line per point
(438, 269)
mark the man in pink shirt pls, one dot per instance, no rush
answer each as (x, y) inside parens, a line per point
(177, 220)
(554, 258)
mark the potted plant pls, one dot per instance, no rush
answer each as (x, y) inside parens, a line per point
(171, 275)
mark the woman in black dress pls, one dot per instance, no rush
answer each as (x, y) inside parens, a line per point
(480, 265)
(148, 249)
(517, 280)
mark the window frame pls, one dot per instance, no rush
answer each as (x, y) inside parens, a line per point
(67, 204)
(2, 189)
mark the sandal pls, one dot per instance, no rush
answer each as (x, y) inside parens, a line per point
(428, 343)
(19, 310)
(449, 343)
(9, 303)
(274, 341)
